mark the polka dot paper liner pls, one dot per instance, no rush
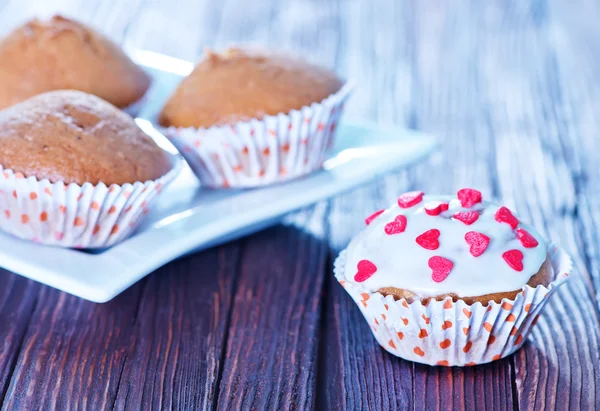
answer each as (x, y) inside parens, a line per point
(451, 333)
(86, 216)
(260, 152)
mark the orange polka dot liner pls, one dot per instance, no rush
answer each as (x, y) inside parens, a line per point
(449, 333)
(263, 151)
(74, 216)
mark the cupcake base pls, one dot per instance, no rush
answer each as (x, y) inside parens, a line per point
(260, 152)
(74, 216)
(451, 333)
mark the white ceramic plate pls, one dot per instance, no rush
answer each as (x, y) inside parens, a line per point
(186, 218)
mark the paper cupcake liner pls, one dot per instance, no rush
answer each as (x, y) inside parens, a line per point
(451, 333)
(86, 216)
(259, 152)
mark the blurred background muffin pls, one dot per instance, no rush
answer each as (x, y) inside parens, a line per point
(61, 53)
(247, 117)
(242, 84)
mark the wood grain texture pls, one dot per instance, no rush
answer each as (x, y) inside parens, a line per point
(69, 347)
(143, 349)
(18, 298)
(176, 346)
(273, 339)
(511, 90)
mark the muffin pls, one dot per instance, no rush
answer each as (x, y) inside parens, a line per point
(240, 85)
(60, 53)
(450, 281)
(76, 171)
(249, 117)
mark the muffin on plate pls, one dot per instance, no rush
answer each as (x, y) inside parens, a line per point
(248, 117)
(76, 171)
(61, 53)
(450, 280)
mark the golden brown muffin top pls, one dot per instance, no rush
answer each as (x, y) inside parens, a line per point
(60, 53)
(242, 84)
(76, 137)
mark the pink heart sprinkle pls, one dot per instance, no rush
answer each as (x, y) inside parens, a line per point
(410, 199)
(526, 238)
(478, 242)
(436, 208)
(429, 239)
(440, 268)
(373, 216)
(365, 270)
(514, 258)
(467, 217)
(504, 215)
(469, 197)
(397, 226)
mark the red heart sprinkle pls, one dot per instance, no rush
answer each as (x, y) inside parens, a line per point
(467, 217)
(435, 208)
(429, 239)
(469, 197)
(365, 270)
(503, 215)
(477, 242)
(526, 239)
(373, 216)
(514, 258)
(440, 267)
(397, 226)
(410, 199)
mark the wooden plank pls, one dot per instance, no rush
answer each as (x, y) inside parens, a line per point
(175, 345)
(180, 28)
(72, 352)
(558, 368)
(472, 388)
(355, 372)
(18, 298)
(148, 346)
(273, 341)
(273, 337)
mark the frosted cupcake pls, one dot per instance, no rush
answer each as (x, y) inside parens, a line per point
(76, 171)
(247, 117)
(450, 281)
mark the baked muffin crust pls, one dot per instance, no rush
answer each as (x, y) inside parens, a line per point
(61, 53)
(242, 84)
(75, 137)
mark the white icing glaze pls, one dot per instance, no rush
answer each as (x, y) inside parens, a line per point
(402, 263)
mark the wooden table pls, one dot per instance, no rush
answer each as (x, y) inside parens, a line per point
(511, 88)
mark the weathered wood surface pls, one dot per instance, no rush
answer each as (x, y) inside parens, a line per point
(512, 90)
